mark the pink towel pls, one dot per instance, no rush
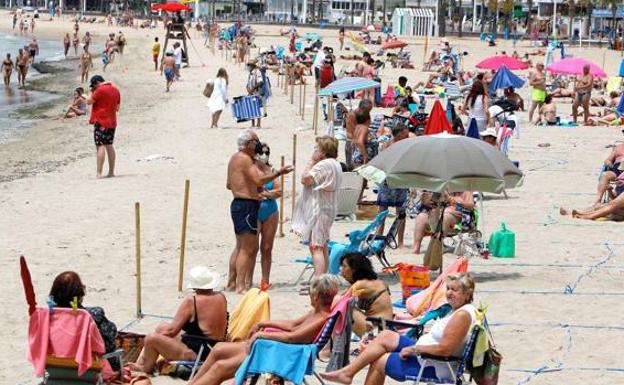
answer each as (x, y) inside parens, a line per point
(64, 333)
(340, 307)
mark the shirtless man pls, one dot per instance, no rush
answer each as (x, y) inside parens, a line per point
(86, 63)
(7, 69)
(168, 68)
(583, 88)
(33, 50)
(21, 62)
(548, 112)
(86, 40)
(537, 80)
(109, 51)
(245, 180)
(365, 106)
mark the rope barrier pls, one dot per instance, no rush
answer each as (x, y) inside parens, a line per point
(558, 361)
(570, 288)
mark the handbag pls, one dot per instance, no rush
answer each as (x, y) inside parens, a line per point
(208, 89)
(433, 255)
(487, 374)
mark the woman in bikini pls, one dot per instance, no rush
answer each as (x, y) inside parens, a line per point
(202, 317)
(78, 107)
(7, 69)
(21, 63)
(66, 43)
(76, 41)
(373, 296)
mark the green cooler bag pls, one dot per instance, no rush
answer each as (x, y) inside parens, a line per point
(502, 243)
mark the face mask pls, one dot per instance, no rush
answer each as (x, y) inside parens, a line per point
(258, 149)
(263, 158)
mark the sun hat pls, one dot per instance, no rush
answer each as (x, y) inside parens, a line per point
(202, 278)
(490, 131)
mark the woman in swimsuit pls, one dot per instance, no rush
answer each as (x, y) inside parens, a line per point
(268, 213)
(78, 107)
(7, 69)
(76, 41)
(373, 296)
(66, 43)
(202, 317)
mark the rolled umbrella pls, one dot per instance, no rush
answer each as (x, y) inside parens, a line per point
(171, 7)
(443, 162)
(505, 78)
(348, 84)
(574, 66)
(473, 129)
(393, 44)
(495, 62)
(28, 286)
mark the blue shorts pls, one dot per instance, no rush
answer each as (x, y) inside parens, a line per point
(404, 370)
(244, 214)
(169, 74)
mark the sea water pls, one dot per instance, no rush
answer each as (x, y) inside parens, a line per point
(11, 97)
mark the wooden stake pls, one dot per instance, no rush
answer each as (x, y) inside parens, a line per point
(292, 90)
(281, 204)
(294, 175)
(187, 185)
(604, 54)
(300, 96)
(426, 49)
(137, 241)
(303, 103)
(315, 115)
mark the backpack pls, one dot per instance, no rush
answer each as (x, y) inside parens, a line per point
(208, 89)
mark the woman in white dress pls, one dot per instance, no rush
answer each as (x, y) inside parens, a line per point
(317, 206)
(476, 105)
(219, 98)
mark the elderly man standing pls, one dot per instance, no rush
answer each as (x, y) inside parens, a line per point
(245, 180)
(104, 100)
(583, 89)
(537, 80)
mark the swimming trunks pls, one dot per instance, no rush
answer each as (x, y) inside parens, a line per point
(104, 136)
(169, 74)
(580, 96)
(538, 95)
(33, 52)
(268, 206)
(244, 214)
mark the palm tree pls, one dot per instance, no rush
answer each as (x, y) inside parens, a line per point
(461, 20)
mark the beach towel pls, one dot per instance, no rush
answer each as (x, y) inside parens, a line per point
(292, 362)
(341, 346)
(252, 308)
(435, 295)
(64, 333)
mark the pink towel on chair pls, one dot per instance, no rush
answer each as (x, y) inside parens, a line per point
(64, 333)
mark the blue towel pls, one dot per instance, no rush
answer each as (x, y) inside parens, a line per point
(289, 361)
(336, 251)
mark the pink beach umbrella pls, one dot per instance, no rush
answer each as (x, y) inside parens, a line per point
(574, 66)
(495, 62)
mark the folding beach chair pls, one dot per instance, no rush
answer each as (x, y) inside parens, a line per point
(359, 241)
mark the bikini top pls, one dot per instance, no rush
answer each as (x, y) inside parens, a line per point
(192, 327)
(365, 304)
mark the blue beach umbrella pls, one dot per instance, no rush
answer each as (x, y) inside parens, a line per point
(505, 78)
(620, 107)
(346, 85)
(621, 73)
(473, 129)
(449, 111)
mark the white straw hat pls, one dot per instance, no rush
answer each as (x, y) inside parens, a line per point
(201, 277)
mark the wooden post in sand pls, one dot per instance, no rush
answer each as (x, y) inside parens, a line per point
(281, 204)
(315, 112)
(187, 185)
(426, 48)
(137, 241)
(604, 54)
(303, 102)
(286, 78)
(292, 90)
(300, 96)
(294, 176)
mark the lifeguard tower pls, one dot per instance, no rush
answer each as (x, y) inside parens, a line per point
(176, 31)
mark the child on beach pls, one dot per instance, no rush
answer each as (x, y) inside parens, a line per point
(155, 53)
(168, 68)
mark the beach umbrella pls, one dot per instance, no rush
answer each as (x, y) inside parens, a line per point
(171, 7)
(574, 66)
(346, 85)
(443, 162)
(28, 286)
(393, 44)
(437, 121)
(620, 107)
(473, 129)
(505, 78)
(495, 62)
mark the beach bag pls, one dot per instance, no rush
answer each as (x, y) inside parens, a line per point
(208, 89)
(502, 243)
(433, 256)
(487, 372)
(413, 278)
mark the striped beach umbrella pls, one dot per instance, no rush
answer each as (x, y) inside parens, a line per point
(348, 84)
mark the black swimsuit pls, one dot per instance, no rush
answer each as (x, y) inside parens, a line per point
(365, 304)
(194, 338)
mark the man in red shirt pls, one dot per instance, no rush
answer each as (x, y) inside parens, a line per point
(104, 100)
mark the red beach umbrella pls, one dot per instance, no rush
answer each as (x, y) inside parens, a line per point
(393, 44)
(437, 122)
(495, 62)
(28, 286)
(171, 7)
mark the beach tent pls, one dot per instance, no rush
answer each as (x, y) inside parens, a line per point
(505, 78)
(437, 122)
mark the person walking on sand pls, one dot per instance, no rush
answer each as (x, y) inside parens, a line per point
(7, 69)
(76, 41)
(255, 86)
(177, 53)
(66, 43)
(168, 68)
(21, 26)
(33, 50)
(121, 42)
(537, 80)
(244, 180)
(104, 100)
(21, 63)
(583, 89)
(32, 25)
(155, 53)
(219, 98)
(86, 63)
(14, 20)
(86, 40)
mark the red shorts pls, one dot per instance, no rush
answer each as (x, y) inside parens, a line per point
(155, 57)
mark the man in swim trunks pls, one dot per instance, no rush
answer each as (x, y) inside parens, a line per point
(86, 63)
(537, 80)
(244, 179)
(33, 49)
(104, 101)
(583, 89)
(21, 62)
(168, 68)
(7, 69)
(86, 40)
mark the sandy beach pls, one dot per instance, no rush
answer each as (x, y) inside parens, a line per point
(555, 308)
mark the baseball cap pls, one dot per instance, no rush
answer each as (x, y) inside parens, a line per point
(95, 79)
